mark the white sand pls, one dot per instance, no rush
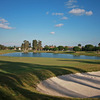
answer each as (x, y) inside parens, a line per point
(81, 85)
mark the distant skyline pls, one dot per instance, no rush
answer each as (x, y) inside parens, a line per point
(54, 22)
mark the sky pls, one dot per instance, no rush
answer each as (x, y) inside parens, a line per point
(54, 22)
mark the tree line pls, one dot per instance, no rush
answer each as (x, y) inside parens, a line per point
(54, 48)
(88, 47)
(36, 45)
(2, 47)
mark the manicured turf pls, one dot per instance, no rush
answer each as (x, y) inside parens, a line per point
(87, 53)
(20, 75)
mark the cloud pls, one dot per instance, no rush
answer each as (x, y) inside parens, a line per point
(52, 32)
(72, 1)
(3, 20)
(4, 24)
(47, 13)
(59, 25)
(80, 12)
(60, 14)
(89, 13)
(77, 12)
(71, 4)
(64, 18)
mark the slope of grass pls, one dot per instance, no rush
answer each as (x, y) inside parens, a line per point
(20, 75)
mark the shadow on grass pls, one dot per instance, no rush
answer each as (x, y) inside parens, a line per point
(25, 93)
(84, 61)
(12, 74)
(18, 67)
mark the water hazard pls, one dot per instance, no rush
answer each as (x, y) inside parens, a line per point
(49, 55)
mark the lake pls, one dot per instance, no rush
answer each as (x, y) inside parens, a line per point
(50, 55)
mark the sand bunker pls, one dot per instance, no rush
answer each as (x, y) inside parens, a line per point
(81, 85)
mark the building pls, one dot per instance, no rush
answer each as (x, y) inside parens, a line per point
(19, 48)
(70, 48)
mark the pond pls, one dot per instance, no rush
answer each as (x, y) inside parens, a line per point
(49, 55)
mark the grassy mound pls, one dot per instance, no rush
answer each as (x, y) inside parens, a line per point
(20, 75)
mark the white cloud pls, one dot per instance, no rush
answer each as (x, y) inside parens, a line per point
(59, 25)
(4, 24)
(60, 14)
(64, 18)
(89, 13)
(71, 4)
(77, 12)
(72, 1)
(80, 12)
(47, 13)
(52, 32)
(3, 20)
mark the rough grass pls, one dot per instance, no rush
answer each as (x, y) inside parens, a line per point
(20, 75)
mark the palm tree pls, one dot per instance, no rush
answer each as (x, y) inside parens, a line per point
(25, 46)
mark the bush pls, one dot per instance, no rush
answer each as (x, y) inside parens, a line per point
(76, 48)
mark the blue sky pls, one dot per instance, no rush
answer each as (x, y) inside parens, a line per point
(54, 22)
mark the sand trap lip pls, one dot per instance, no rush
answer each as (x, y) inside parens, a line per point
(79, 85)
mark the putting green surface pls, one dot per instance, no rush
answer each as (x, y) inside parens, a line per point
(20, 75)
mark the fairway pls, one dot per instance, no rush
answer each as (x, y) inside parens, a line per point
(19, 76)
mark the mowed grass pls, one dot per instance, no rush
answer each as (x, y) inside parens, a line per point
(20, 75)
(87, 53)
(6, 51)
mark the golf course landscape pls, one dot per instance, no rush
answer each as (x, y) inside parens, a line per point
(49, 49)
(19, 76)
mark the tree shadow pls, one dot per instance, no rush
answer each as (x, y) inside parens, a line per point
(12, 73)
(92, 80)
(54, 86)
(93, 75)
(24, 92)
(74, 79)
(84, 61)
(18, 67)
